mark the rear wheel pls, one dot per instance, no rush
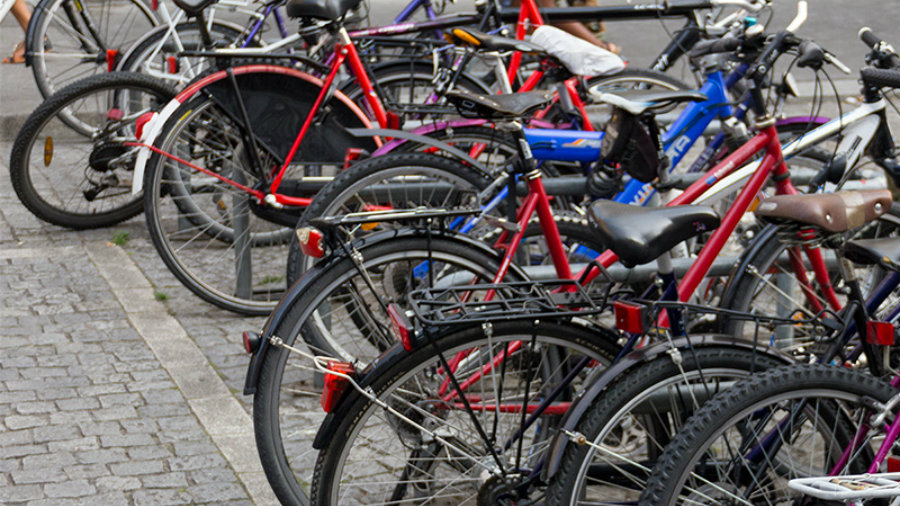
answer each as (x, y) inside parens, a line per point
(628, 426)
(69, 39)
(430, 450)
(82, 178)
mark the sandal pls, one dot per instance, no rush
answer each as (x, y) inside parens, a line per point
(17, 56)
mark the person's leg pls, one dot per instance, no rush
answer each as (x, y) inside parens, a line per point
(23, 16)
(578, 29)
(21, 12)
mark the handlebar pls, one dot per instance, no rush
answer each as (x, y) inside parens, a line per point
(724, 45)
(885, 51)
(753, 6)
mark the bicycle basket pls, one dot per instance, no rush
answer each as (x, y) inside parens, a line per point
(633, 143)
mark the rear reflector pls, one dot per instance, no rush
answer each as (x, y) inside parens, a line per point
(629, 317)
(401, 326)
(251, 341)
(881, 333)
(139, 123)
(335, 385)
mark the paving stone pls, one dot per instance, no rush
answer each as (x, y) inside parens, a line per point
(73, 488)
(20, 493)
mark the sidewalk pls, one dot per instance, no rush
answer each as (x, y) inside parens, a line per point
(108, 396)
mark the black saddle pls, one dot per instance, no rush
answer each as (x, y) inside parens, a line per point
(488, 42)
(884, 252)
(193, 7)
(639, 235)
(639, 101)
(503, 106)
(319, 9)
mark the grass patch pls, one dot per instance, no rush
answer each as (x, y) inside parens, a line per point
(120, 237)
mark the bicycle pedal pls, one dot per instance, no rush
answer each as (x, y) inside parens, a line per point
(502, 223)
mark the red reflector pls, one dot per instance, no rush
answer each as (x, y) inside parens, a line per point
(112, 57)
(139, 123)
(893, 465)
(401, 326)
(335, 385)
(311, 242)
(172, 64)
(881, 333)
(115, 114)
(251, 341)
(629, 317)
(372, 207)
(352, 155)
(154, 5)
(393, 121)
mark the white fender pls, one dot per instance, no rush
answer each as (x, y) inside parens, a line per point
(152, 129)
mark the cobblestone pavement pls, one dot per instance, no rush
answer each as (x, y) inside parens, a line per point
(107, 395)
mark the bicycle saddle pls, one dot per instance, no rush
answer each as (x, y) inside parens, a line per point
(640, 101)
(490, 42)
(319, 9)
(639, 235)
(832, 212)
(503, 106)
(193, 7)
(884, 252)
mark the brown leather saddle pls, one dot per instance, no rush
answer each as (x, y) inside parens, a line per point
(831, 212)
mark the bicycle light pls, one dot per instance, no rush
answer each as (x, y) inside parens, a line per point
(401, 326)
(311, 242)
(335, 384)
(629, 317)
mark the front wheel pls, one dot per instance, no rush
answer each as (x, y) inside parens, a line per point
(789, 422)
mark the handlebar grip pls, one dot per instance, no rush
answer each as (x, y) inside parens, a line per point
(868, 38)
(882, 78)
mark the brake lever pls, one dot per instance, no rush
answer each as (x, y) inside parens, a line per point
(832, 59)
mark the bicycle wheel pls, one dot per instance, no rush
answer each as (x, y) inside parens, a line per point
(79, 181)
(788, 422)
(339, 315)
(150, 55)
(69, 39)
(628, 426)
(432, 450)
(393, 181)
(405, 85)
(767, 285)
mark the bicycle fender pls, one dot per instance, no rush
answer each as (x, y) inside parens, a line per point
(585, 398)
(306, 83)
(301, 286)
(389, 146)
(410, 136)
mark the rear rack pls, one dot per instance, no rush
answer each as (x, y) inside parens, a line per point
(517, 300)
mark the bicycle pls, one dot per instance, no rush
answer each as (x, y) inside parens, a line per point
(742, 443)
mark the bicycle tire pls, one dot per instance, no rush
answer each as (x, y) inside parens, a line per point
(350, 188)
(405, 385)
(840, 393)
(750, 289)
(318, 318)
(59, 43)
(628, 420)
(154, 43)
(391, 79)
(45, 195)
(193, 216)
